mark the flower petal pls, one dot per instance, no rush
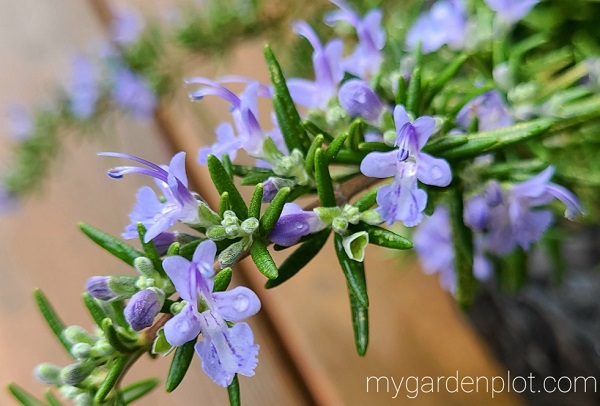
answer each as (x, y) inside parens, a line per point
(204, 257)
(433, 171)
(181, 273)
(380, 164)
(237, 304)
(183, 327)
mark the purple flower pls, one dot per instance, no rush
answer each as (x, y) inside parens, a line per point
(97, 287)
(157, 216)
(435, 249)
(293, 224)
(143, 307)
(224, 351)
(403, 200)
(133, 93)
(83, 89)
(516, 219)
(8, 200)
(245, 115)
(127, 26)
(511, 11)
(444, 23)
(20, 125)
(327, 63)
(367, 57)
(489, 109)
(359, 100)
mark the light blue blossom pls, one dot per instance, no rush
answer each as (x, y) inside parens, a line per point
(20, 125)
(367, 56)
(224, 351)
(359, 100)
(133, 93)
(327, 63)
(511, 11)
(402, 200)
(126, 27)
(83, 91)
(293, 224)
(489, 109)
(444, 23)
(143, 307)
(157, 216)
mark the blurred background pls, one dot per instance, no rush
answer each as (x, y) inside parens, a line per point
(307, 350)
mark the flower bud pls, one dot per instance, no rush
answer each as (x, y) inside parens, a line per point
(272, 185)
(48, 374)
(123, 286)
(371, 217)
(102, 348)
(294, 223)
(355, 245)
(339, 224)
(97, 287)
(249, 225)
(351, 213)
(359, 100)
(84, 399)
(143, 307)
(230, 255)
(389, 137)
(144, 266)
(76, 334)
(216, 233)
(207, 216)
(75, 373)
(81, 350)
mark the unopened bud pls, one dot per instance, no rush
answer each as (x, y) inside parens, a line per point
(371, 217)
(124, 286)
(102, 348)
(230, 255)
(48, 374)
(389, 137)
(144, 266)
(249, 225)
(76, 334)
(97, 287)
(272, 185)
(351, 213)
(207, 216)
(75, 373)
(81, 350)
(143, 307)
(84, 399)
(177, 307)
(216, 233)
(339, 225)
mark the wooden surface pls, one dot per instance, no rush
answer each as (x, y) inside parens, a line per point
(415, 328)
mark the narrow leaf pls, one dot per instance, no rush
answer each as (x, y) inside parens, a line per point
(315, 130)
(413, 96)
(256, 201)
(402, 90)
(180, 365)
(354, 272)
(335, 147)
(174, 249)
(309, 162)
(323, 179)
(462, 238)
(136, 390)
(299, 258)
(374, 146)
(368, 200)
(96, 311)
(440, 81)
(233, 390)
(118, 248)
(360, 324)
(52, 400)
(263, 259)
(150, 250)
(114, 339)
(222, 280)
(114, 374)
(440, 144)
(223, 183)
(385, 238)
(272, 213)
(224, 203)
(51, 317)
(356, 133)
(23, 396)
(288, 118)
(227, 165)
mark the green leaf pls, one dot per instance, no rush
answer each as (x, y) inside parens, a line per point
(263, 259)
(323, 180)
(374, 146)
(136, 390)
(223, 183)
(413, 97)
(243, 170)
(360, 324)
(272, 213)
(402, 90)
(368, 200)
(117, 367)
(115, 339)
(23, 396)
(316, 130)
(187, 250)
(119, 249)
(440, 144)
(354, 272)
(180, 365)
(254, 178)
(51, 317)
(224, 204)
(173, 249)
(385, 238)
(150, 250)
(349, 157)
(52, 400)
(222, 280)
(227, 165)
(309, 162)
(470, 149)
(440, 81)
(335, 147)
(288, 118)
(462, 238)
(356, 133)
(256, 201)
(233, 390)
(96, 311)
(299, 258)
